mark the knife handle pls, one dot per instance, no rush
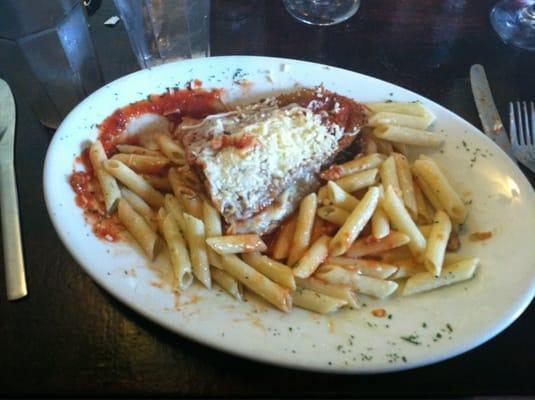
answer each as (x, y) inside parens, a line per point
(9, 208)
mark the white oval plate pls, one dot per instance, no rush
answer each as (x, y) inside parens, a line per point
(418, 330)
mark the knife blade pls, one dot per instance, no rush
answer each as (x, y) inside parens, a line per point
(488, 114)
(9, 207)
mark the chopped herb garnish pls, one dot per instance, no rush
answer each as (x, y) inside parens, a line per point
(413, 339)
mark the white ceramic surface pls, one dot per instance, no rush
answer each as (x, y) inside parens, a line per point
(441, 324)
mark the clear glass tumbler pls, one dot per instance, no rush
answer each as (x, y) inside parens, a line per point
(322, 12)
(166, 30)
(47, 55)
(514, 21)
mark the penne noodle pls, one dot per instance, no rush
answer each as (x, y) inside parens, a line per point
(437, 241)
(178, 252)
(413, 108)
(373, 268)
(402, 221)
(212, 227)
(453, 273)
(414, 137)
(406, 183)
(172, 206)
(257, 282)
(158, 182)
(389, 175)
(192, 204)
(368, 144)
(312, 258)
(134, 182)
(394, 118)
(369, 246)
(384, 146)
(138, 227)
(401, 148)
(340, 198)
(395, 254)
(323, 196)
(171, 149)
(141, 207)
(358, 180)
(274, 270)
(142, 163)
(428, 172)
(303, 228)
(234, 244)
(336, 291)
(131, 149)
(333, 214)
(108, 184)
(380, 224)
(362, 284)
(195, 237)
(407, 267)
(281, 248)
(354, 224)
(424, 209)
(358, 164)
(228, 283)
(317, 302)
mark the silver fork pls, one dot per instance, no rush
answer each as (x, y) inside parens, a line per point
(522, 129)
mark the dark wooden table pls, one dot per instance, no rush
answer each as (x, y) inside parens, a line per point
(68, 337)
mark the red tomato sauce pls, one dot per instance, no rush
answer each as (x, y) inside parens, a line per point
(174, 105)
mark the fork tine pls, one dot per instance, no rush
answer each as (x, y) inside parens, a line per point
(527, 130)
(512, 125)
(518, 117)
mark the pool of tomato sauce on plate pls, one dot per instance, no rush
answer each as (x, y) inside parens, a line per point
(174, 105)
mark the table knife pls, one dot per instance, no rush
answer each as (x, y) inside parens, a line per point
(488, 114)
(9, 208)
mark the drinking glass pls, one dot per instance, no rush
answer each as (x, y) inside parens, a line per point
(322, 12)
(514, 21)
(47, 56)
(166, 30)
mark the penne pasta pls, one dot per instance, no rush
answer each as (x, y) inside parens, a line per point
(333, 214)
(178, 252)
(358, 180)
(414, 108)
(402, 221)
(131, 149)
(281, 248)
(234, 244)
(358, 164)
(424, 209)
(389, 175)
(406, 183)
(228, 283)
(312, 258)
(274, 270)
(195, 237)
(158, 182)
(108, 184)
(362, 284)
(437, 241)
(427, 171)
(340, 198)
(317, 302)
(137, 227)
(212, 227)
(134, 182)
(323, 196)
(172, 206)
(257, 282)
(303, 228)
(336, 291)
(171, 149)
(374, 268)
(192, 204)
(369, 246)
(407, 267)
(453, 273)
(394, 118)
(380, 224)
(384, 146)
(414, 137)
(354, 224)
(141, 163)
(142, 208)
